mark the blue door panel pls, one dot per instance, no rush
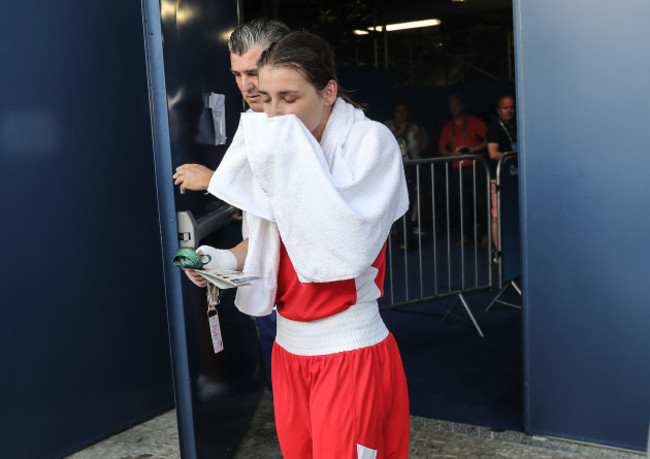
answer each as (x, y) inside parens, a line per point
(583, 115)
(85, 349)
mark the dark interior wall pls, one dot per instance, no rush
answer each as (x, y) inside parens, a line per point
(84, 333)
(584, 167)
(196, 63)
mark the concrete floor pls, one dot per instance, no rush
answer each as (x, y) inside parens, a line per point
(158, 439)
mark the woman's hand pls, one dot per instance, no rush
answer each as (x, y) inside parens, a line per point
(196, 279)
(219, 259)
(193, 177)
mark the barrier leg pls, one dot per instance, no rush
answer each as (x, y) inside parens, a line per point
(461, 299)
(497, 299)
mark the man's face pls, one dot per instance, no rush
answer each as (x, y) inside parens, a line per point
(244, 68)
(506, 109)
(456, 107)
(400, 114)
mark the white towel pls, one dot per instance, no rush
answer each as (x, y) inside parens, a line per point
(332, 203)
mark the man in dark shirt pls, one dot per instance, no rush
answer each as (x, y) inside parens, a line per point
(501, 138)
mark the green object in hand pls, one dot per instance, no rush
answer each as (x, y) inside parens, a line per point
(188, 258)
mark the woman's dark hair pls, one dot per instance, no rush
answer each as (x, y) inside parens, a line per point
(308, 54)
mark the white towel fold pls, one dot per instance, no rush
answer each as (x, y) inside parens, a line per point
(332, 203)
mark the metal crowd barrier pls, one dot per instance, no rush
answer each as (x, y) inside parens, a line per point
(440, 253)
(507, 256)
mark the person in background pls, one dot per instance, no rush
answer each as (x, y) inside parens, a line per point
(412, 139)
(246, 44)
(501, 138)
(465, 135)
(411, 136)
(320, 185)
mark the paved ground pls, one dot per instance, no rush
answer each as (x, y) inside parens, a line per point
(158, 439)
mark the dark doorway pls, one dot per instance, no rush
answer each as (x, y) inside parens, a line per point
(453, 374)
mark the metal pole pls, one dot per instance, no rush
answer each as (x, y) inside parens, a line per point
(374, 40)
(419, 222)
(510, 51)
(448, 229)
(385, 47)
(433, 229)
(411, 77)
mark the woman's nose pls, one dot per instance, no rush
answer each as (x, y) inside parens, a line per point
(274, 110)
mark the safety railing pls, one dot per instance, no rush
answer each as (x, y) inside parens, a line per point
(507, 255)
(191, 230)
(442, 246)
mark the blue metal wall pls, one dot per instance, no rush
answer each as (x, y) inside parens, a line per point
(584, 111)
(84, 340)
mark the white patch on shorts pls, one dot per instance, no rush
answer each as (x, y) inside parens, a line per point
(366, 453)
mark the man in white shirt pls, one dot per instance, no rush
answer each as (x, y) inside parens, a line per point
(246, 44)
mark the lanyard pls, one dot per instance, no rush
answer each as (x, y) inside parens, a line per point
(213, 318)
(453, 132)
(507, 131)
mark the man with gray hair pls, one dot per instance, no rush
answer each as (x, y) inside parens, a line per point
(246, 44)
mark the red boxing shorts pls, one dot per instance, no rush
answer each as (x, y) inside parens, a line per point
(345, 405)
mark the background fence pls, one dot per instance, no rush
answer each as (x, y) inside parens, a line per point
(441, 247)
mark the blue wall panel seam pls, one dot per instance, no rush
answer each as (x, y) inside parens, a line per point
(152, 31)
(521, 134)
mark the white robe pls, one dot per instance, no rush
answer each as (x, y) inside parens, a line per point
(332, 203)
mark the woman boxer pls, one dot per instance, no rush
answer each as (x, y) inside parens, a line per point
(320, 186)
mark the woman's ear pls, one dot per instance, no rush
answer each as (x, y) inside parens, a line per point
(330, 93)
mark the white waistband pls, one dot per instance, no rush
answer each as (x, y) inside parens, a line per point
(358, 326)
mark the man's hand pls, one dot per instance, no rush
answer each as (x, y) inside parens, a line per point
(401, 129)
(193, 177)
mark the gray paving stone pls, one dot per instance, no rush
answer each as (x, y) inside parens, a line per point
(430, 438)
